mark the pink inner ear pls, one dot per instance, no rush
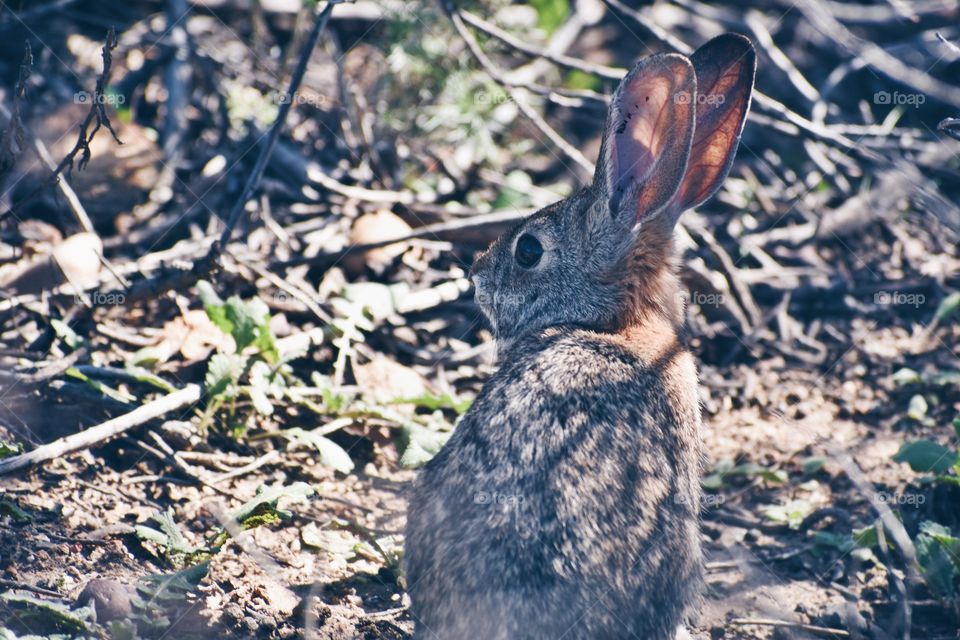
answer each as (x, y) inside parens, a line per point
(724, 68)
(651, 140)
(639, 138)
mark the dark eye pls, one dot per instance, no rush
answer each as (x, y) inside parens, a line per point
(528, 251)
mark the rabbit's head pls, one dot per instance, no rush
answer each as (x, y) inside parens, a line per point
(603, 257)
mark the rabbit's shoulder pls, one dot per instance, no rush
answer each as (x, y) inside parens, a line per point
(562, 376)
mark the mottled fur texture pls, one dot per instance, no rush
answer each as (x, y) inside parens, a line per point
(566, 503)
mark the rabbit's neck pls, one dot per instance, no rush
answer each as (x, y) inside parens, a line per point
(654, 295)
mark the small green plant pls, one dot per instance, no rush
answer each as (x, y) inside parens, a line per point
(725, 470)
(791, 513)
(938, 552)
(929, 456)
(260, 511)
(10, 449)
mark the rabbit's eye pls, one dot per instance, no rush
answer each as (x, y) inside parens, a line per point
(529, 250)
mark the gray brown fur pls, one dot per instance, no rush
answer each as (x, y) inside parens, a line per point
(566, 503)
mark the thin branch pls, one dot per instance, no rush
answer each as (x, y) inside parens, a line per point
(105, 430)
(569, 150)
(265, 152)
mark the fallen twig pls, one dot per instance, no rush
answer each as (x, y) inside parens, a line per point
(826, 632)
(104, 431)
(267, 149)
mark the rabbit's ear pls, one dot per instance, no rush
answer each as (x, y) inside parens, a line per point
(647, 138)
(725, 67)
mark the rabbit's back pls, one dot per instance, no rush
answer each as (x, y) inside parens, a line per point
(566, 503)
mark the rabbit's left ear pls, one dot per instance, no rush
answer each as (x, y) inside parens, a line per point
(725, 68)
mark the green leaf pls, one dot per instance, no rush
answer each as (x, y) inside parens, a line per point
(584, 81)
(148, 377)
(905, 376)
(7, 450)
(791, 513)
(8, 508)
(223, 374)
(262, 509)
(917, 410)
(938, 553)
(750, 469)
(946, 378)
(58, 615)
(171, 539)
(122, 630)
(99, 387)
(148, 357)
(260, 386)
(948, 306)
(843, 543)
(516, 191)
(419, 445)
(867, 537)
(713, 482)
(214, 306)
(926, 456)
(65, 333)
(172, 586)
(813, 464)
(246, 318)
(330, 453)
(551, 13)
(434, 402)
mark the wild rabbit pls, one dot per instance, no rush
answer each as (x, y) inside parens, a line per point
(565, 505)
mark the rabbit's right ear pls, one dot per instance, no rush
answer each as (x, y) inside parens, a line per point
(647, 138)
(725, 67)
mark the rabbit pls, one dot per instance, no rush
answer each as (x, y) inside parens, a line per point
(566, 502)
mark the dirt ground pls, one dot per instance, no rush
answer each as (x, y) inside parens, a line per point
(310, 576)
(820, 277)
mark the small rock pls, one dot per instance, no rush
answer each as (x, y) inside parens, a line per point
(111, 600)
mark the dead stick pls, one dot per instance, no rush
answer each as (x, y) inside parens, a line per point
(809, 628)
(267, 149)
(437, 230)
(568, 149)
(105, 430)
